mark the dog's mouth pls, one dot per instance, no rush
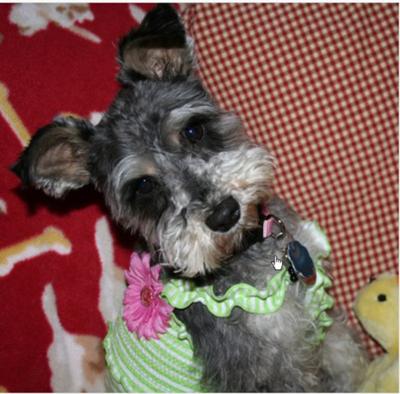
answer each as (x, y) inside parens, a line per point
(230, 243)
(253, 235)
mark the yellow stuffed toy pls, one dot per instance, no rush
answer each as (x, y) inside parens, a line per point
(376, 307)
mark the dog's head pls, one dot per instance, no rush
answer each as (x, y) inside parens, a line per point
(168, 160)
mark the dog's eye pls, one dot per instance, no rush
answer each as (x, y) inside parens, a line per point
(144, 185)
(194, 133)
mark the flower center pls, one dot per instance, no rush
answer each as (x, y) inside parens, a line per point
(146, 296)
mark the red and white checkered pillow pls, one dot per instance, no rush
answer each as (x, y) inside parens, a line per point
(317, 84)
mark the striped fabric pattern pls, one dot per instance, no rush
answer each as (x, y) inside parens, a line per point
(318, 302)
(181, 293)
(164, 365)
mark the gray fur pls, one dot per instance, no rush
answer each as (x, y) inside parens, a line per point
(143, 135)
(270, 353)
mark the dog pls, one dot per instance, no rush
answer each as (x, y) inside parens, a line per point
(176, 168)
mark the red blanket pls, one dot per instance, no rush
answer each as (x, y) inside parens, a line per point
(316, 83)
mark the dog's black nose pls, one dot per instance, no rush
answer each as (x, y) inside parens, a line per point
(226, 214)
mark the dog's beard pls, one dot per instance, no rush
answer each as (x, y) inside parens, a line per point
(187, 244)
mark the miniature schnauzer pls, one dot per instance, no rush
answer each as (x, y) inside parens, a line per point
(175, 167)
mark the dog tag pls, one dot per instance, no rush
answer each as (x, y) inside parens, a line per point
(301, 262)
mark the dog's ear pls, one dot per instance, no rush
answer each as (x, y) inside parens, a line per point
(56, 159)
(157, 50)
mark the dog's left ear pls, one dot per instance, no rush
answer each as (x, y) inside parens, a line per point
(157, 50)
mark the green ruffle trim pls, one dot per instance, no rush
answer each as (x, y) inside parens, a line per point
(180, 293)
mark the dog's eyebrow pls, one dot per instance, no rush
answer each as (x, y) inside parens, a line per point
(179, 117)
(131, 167)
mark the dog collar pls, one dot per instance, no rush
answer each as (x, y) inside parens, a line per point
(293, 254)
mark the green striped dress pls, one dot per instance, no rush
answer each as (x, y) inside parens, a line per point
(168, 364)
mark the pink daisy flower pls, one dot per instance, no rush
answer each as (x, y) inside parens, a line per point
(145, 312)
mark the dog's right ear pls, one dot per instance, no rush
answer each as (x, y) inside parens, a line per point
(157, 50)
(56, 159)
